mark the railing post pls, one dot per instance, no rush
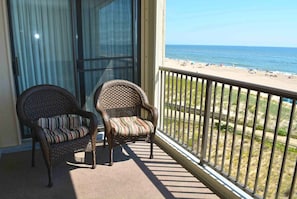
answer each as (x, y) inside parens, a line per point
(206, 119)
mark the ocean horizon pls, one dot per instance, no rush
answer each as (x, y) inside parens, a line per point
(273, 59)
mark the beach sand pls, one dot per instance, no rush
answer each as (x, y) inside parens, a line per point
(267, 78)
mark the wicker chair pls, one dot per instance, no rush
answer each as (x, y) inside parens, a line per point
(126, 113)
(51, 105)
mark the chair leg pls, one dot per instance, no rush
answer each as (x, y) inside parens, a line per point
(152, 145)
(94, 159)
(33, 152)
(110, 140)
(49, 172)
(110, 156)
(151, 155)
(104, 140)
(47, 156)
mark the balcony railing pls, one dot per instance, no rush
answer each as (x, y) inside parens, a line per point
(245, 132)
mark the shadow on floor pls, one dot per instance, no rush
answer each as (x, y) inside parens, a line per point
(133, 175)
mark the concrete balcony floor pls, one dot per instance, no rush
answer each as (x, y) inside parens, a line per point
(133, 175)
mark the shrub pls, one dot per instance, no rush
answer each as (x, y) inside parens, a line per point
(282, 132)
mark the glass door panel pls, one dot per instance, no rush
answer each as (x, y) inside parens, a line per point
(108, 42)
(42, 42)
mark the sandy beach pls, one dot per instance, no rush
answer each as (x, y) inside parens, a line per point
(267, 78)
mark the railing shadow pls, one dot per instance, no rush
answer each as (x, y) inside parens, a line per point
(172, 180)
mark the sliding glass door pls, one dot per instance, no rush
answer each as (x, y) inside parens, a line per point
(74, 44)
(107, 44)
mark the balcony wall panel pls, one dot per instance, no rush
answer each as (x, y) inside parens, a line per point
(9, 132)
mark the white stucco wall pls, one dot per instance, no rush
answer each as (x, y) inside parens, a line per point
(9, 129)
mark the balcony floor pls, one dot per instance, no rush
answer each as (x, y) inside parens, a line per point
(133, 175)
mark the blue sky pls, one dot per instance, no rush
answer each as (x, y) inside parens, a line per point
(232, 22)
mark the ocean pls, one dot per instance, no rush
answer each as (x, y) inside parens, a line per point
(276, 59)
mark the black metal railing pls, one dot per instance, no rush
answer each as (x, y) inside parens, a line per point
(246, 132)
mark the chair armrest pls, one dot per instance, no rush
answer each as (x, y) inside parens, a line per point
(153, 112)
(105, 118)
(92, 117)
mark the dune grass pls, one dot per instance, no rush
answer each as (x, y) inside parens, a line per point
(234, 149)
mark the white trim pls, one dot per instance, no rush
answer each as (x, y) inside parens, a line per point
(152, 46)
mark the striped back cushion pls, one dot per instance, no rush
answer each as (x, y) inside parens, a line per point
(60, 121)
(62, 128)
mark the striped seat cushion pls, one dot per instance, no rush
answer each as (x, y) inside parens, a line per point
(64, 134)
(62, 128)
(131, 126)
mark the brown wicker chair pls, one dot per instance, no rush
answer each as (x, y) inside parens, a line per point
(49, 101)
(126, 113)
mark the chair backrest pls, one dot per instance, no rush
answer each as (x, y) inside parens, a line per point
(120, 98)
(45, 101)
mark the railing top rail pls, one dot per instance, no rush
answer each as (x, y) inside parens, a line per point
(252, 86)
